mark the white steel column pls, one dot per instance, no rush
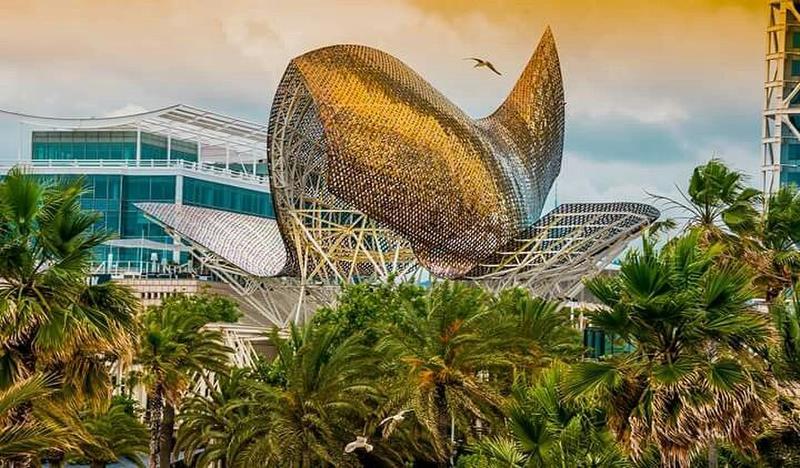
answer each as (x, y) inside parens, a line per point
(21, 141)
(176, 240)
(227, 157)
(169, 145)
(138, 144)
(199, 152)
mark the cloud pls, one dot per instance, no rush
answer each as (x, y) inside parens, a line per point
(585, 179)
(127, 109)
(652, 111)
(653, 88)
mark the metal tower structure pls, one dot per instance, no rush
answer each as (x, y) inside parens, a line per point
(781, 118)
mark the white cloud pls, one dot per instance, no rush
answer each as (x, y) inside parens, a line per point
(649, 72)
(603, 105)
(584, 179)
(127, 109)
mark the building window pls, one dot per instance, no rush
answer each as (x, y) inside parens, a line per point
(795, 67)
(790, 178)
(83, 145)
(154, 146)
(796, 40)
(223, 197)
(185, 150)
(793, 152)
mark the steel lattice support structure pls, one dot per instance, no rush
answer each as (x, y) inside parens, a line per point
(781, 127)
(245, 252)
(376, 175)
(374, 171)
(570, 243)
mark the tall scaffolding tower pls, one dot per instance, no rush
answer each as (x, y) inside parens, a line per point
(780, 134)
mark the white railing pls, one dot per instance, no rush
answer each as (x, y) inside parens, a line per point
(200, 167)
(139, 268)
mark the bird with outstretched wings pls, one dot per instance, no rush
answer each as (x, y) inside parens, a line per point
(360, 443)
(483, 63)
(390, 423)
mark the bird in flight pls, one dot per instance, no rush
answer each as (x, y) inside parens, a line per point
(359, 443)
(398, 418)
(390, 424)
(483, 63)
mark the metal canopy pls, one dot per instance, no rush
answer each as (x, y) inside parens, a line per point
(179, 121)
(250, 243)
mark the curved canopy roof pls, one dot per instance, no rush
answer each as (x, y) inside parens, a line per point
(180, 121)
(250, 243)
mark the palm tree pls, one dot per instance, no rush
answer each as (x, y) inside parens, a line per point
(771, 248)
(25, 441)
(723, 208)
(208, 422)
(450, 341)
(52, 320)
(717, 202)
(175, 351)
(311, 402)
(779, 443)
(693, 377)
(543, 328)
(546, 428)
(114, 434)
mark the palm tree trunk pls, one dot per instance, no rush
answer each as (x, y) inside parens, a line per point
(97, 464)
(155, 404)
(444, 424)
(22, 414)
(167, 432)
(712, 455)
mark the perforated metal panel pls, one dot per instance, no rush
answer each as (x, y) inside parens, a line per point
(374, 173)
(250, 243)
(368, 160)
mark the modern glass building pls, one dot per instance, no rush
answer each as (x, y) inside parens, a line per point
(178, 155)
(781, 119)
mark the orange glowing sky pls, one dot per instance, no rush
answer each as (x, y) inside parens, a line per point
(653, 87)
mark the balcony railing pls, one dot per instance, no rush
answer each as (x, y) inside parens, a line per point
(199, 167)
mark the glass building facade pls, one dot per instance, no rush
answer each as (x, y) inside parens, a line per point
(177, 154)
(114, 195)
(790, 156)
(223, 197)
(780, 121)
(114, 198)
(790, 147)
(113, 145)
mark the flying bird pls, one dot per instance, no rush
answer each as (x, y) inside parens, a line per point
(483, 63)
(395, 418)
(390, 424)
(359, 443)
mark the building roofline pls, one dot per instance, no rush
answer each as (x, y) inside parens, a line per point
(179, 120)
(84, 122)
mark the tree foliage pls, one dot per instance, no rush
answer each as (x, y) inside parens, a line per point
(176, 352)
(694, 375)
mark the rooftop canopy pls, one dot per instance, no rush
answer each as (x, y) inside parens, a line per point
(216, 132)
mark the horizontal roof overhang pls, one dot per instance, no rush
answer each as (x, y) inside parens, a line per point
(180, 121)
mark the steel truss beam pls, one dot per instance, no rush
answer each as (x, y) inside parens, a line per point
(566, 246)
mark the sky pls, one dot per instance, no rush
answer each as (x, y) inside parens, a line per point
(653, 88)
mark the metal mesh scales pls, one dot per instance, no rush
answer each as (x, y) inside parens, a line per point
(368, 161)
